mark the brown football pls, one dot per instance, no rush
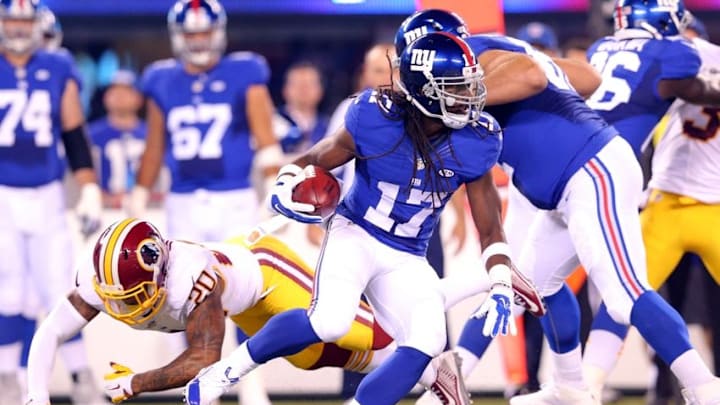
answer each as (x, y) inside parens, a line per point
(320, 189)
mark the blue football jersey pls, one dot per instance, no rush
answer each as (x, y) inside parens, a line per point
(385, 199)
(546, 137)
(119, 152)
(207, 134)
(632, 65)
(30, 125)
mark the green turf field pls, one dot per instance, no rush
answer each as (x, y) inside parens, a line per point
(481, 401)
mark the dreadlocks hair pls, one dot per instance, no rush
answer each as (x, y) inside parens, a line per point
(424, 150)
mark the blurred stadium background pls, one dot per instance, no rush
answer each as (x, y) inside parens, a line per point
(105, 35)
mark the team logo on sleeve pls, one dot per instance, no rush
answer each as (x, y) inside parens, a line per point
(422, 60)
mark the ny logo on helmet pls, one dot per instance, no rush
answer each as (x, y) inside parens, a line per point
(670, 4)
(422, 60)
(414, 34)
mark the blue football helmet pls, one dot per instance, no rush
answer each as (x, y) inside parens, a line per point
(188, 17)
(441, 77)
(661, 18)
(51, 29)
(427, 21)
(19, 26)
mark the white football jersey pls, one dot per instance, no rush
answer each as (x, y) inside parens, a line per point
(687, 158)
(193, 270)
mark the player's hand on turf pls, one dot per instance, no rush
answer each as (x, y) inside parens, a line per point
(118, 383)
(280, 196)
(89, 208)
(497, 307)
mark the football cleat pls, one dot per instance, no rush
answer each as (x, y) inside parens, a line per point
(526, 295)
(554, 394)
(449, 386)
(706, 394)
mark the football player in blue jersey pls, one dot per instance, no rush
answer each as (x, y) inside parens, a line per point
(569, 162)
(40, 114)
(645, 65)
(209, 117)
(119, 137)
(413, 149)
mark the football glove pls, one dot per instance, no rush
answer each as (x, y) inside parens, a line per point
(89, 208)
(280, 196)
(118, 383)
(497, 307)
(137, 201)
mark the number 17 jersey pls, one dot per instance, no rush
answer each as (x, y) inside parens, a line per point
(632, 63)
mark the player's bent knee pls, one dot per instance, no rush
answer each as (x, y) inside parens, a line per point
(431, 343)
(619, 311)
(329, 328)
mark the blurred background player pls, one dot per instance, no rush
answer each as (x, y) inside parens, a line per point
(40, 90)
(119, 138)
(209, 116)
(298, 123)
(541, 36)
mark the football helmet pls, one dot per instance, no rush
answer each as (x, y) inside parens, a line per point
(130, 259)
(188, 17)
(427, 21)
(19, 26)
(661, 18)
(440, 76)
(51, 29)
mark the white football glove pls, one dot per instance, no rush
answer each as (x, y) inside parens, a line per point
(89, 208)
(118, 383)
(280, 196)
(497, 307)
(137, 201)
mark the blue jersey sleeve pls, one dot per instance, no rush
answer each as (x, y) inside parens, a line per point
(254, 67)
(150, 81)
(679, 59)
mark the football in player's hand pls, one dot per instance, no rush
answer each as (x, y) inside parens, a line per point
(320, 189)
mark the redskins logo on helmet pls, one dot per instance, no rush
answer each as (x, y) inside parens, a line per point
(129, 260)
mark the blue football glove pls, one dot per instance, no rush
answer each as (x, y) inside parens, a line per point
(280, 196)
(497, 307)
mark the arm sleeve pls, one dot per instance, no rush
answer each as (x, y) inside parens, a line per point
(63, 322)
(680, 60)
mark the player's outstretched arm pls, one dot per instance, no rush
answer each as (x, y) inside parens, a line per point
(331, 152)
(693, 90)
(511, 76)
(583, 77)
(205, 331)
(65, 320)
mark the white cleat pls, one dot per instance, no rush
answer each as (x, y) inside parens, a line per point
(449, 386)
(706, 394)
(209, 385)
(552, 394)
(10, 393)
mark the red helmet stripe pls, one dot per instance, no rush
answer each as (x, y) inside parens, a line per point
(469, 55)
(108, 252)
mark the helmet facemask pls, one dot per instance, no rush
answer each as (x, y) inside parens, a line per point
(136, 304)
(458, 100)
